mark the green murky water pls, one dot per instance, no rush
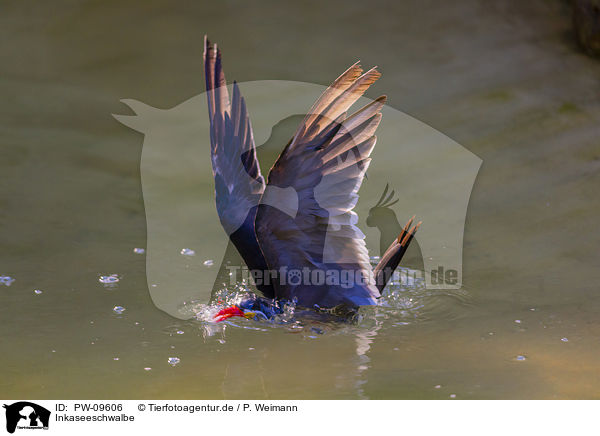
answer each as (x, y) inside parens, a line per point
(504, 81)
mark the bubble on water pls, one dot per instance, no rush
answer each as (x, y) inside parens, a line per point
(139, 250)
(251, 349)
(173, 360)
(147, 368)
(565, 339)
(6, 280)
(374, 260)
(437, 386)
(517, 321)
(520, 358)
(187, 252)
(222, 341)
(118, 309)
(452, 395)
(180, 332)
(209, 262)
(115, 358)
(109, 280)
(38, 291)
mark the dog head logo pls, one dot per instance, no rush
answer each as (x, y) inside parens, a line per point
(26, 415)
(431, 174)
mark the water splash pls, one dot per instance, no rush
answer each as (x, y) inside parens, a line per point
(6, 280)
(110, 280)
(405, 301)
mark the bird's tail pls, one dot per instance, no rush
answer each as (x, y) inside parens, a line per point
(393, 255)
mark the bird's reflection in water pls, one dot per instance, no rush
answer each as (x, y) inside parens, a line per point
(325, 349)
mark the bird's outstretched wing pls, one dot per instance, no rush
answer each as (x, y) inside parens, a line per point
(238, 181)
(239, 184)
(324, 165)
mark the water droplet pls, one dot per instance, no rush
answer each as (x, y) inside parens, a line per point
(147, 368)
(520, 358)
(109, 280)
(6, 280)
(180, 332)
(565, 339)
(187, 252)
(209, 262)
(173, 361)
(38, 291)
(139, 250)
(119, 309)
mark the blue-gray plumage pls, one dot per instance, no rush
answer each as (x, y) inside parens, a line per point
(302, 218)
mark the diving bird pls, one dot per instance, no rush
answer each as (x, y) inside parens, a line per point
(300, 222)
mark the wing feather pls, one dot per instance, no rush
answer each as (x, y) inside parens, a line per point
(239, 184)
(238, 180)
(324, 163)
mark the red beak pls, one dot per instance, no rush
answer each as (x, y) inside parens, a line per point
(228, 312)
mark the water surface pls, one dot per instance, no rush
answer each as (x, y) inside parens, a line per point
(504, 80)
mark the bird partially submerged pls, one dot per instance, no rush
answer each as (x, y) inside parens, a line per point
(301, 220)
